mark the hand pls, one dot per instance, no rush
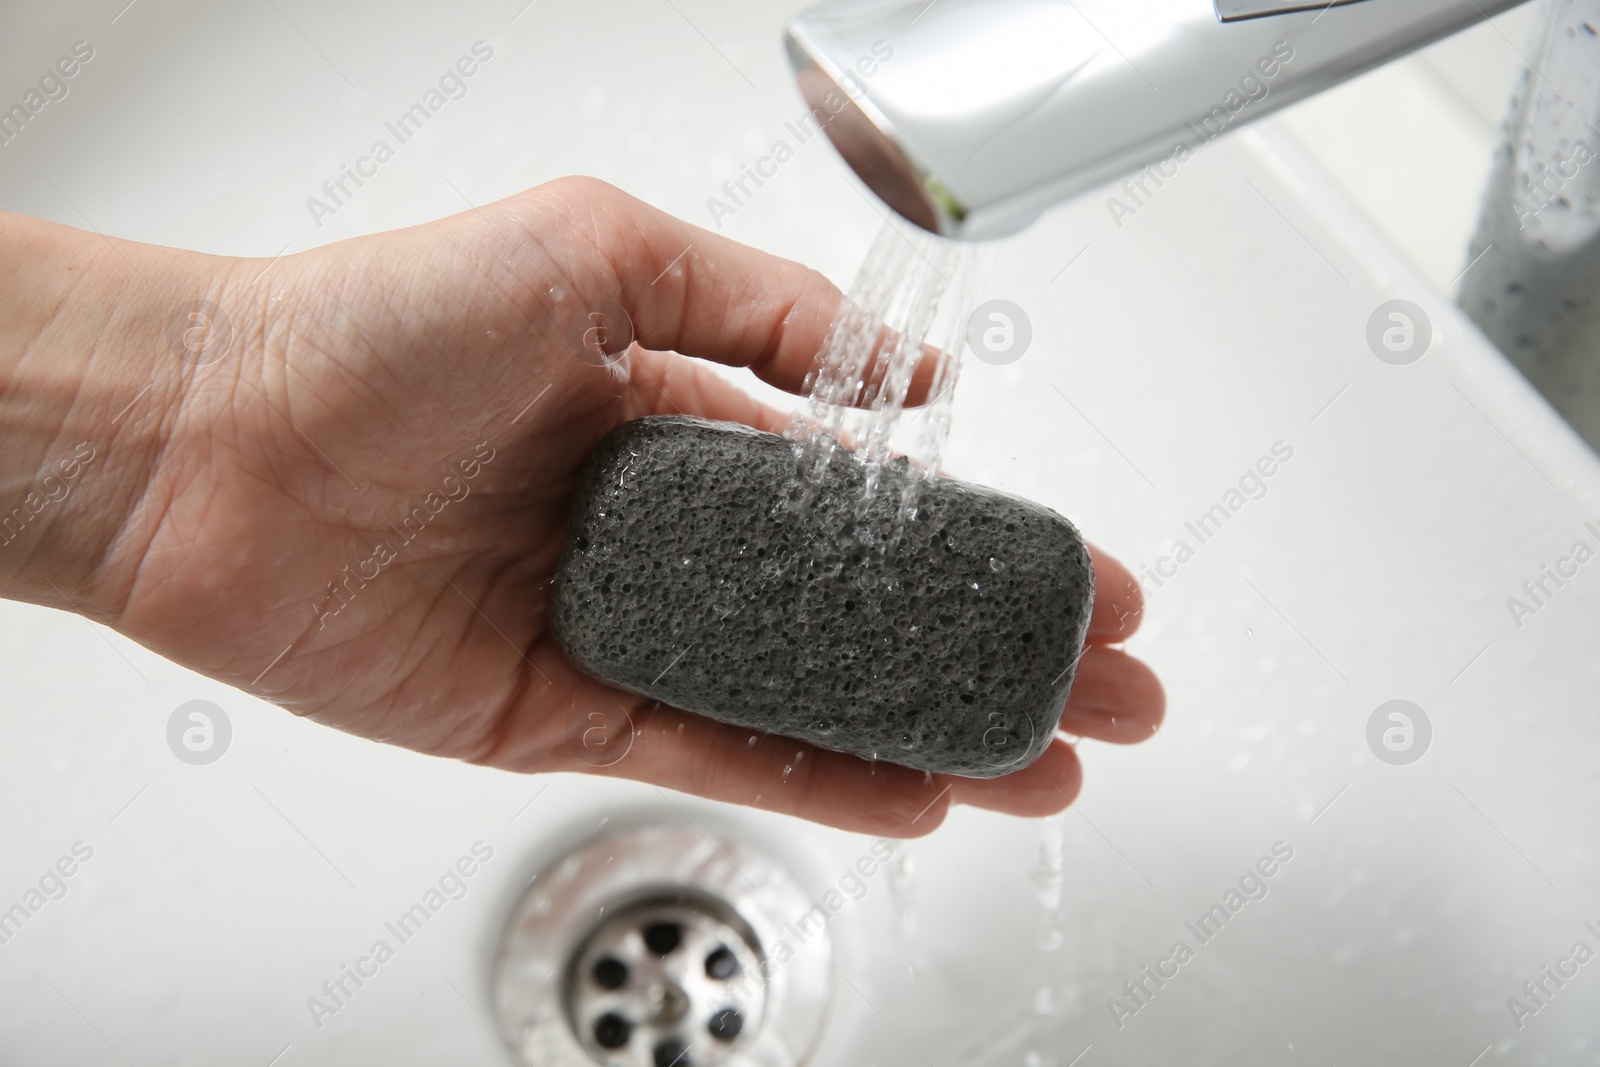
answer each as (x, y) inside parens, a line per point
(355, 512)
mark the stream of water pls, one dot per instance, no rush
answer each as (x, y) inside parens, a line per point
(908, 305)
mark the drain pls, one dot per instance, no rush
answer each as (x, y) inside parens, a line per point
(666, 983)
(662, 948)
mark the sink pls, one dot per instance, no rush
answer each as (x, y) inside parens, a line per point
(1349, 886)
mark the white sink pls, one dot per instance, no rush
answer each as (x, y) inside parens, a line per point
(1229, 314)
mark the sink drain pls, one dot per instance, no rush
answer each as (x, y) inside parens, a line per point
(662, 948)
(667, 984)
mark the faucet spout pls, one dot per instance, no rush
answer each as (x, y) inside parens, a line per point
(971, 118)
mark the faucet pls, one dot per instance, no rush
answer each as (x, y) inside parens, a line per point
(971, 117)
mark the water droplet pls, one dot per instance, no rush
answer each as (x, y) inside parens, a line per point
(995, 565)
(687, 561)
(752, 742)
(788, 769)
(557, 293)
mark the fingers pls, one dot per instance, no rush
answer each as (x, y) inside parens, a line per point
(1118, 602)
(1114, 698)
(689, 290)
(664, 384)
(692, 291)
(874, 382)
(1044, 787)
(563, 721)
(691, 754)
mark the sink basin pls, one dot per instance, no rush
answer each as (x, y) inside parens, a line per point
(1225, 322)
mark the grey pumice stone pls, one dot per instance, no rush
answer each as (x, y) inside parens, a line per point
(696, 572)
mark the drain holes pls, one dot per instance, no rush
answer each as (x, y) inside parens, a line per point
(722, 964)
(656, 982)
(726, 1024)
(652, 946)
(663, 938)
(672, 1052)
(610, 973)
(612, 1031)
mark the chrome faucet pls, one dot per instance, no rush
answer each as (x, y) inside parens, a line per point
(971, 117)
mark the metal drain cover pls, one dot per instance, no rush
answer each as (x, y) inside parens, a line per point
(667, 983)
(663, 948)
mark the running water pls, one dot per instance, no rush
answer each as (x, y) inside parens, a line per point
(902, 890)
(1049, 874)
(911, 297)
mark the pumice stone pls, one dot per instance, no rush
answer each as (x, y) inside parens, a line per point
(698, 571)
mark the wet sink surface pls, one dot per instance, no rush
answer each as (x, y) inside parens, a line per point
(1223, 323)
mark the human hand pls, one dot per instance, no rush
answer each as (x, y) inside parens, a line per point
(355, 509)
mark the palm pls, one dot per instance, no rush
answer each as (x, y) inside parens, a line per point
(390, 442)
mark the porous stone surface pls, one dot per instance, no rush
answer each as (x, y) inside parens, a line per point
(695, 573)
